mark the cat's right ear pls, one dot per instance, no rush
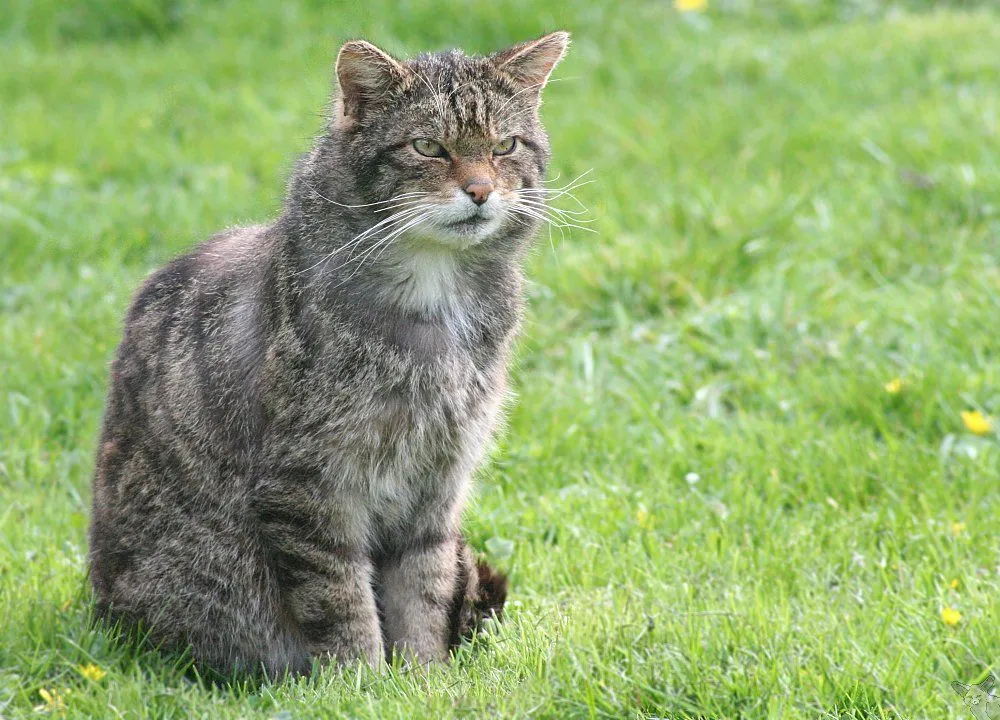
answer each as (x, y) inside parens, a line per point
(364, 72)
(960, 688)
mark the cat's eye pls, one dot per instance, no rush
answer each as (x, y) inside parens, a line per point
(505, 146)
(429, 148)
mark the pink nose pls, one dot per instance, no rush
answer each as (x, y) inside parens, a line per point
(479, 190)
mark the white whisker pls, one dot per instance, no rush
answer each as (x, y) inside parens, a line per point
(536, 203)
(383, 243)
(400, 217)
(554, 193)
(544, 216)
(564, 215)
(560, 211)
(372, 204)
(383, 224)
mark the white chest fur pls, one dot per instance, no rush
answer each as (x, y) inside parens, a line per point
(429, 280)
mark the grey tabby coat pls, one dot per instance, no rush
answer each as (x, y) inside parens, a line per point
(296, 410)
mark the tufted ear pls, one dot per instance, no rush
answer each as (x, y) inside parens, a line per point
(532, 62)
(961, 688)
(364, 72)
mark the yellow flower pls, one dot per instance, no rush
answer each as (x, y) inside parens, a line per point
(690, 5)
(642, 517)
(953, 584)
(951, 616)
(976, 422)
(53, 701)
(894, 386)
(957, 528)
(92, 672)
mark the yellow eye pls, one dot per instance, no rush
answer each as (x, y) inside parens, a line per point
(429, 148)
(505, 146)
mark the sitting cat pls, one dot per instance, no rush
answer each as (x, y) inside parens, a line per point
(296, 410)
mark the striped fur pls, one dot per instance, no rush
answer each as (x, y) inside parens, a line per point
(295, 415)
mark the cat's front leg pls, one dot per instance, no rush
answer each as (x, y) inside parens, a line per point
(324, 575)
(417, 585)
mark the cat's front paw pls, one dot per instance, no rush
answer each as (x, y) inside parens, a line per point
(416, 654)
(370, 652)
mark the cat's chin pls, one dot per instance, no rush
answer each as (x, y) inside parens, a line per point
(463, 234)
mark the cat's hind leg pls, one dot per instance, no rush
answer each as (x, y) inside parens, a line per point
(211, 596)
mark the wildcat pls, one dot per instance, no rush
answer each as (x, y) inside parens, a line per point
(296, 410)
(978, 698)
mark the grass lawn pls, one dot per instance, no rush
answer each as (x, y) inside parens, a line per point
(736, 482)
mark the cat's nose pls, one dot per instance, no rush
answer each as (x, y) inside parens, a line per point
(479, 190)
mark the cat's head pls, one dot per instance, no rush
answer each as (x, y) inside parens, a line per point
(449, 143)
(975, 695)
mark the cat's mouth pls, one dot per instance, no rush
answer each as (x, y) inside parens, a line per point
(459, 224)
(473, 222)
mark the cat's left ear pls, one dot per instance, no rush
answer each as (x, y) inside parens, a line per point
(961, 688)
(532, 62)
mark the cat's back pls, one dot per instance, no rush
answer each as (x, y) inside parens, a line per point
(192, 281)
(179, 375)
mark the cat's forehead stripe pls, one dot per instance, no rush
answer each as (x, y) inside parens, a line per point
(460, 88)
(470, 107)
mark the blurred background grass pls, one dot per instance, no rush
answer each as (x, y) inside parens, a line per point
(59, 21)
(736, 482)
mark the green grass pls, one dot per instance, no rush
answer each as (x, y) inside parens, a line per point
(708, 503)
